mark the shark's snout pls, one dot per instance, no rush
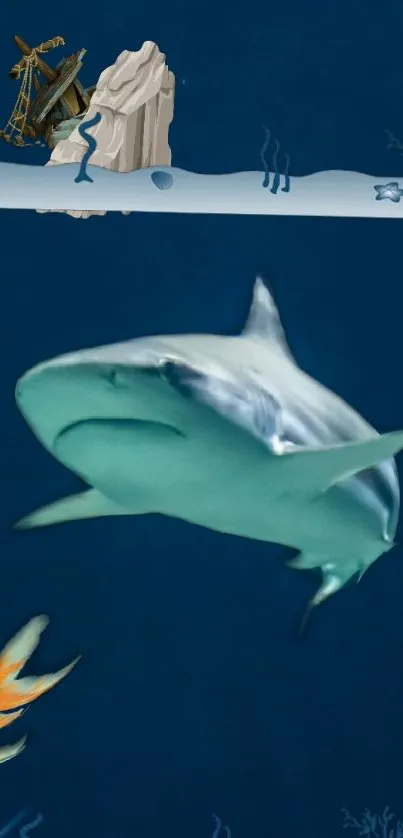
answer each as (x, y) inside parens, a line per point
(108, 423)
(63, 399)
(52, 397)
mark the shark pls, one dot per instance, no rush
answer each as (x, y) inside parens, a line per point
(224, 432)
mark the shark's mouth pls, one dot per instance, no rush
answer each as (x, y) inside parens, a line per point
(98, 448)
(116, 456)
(94, 425)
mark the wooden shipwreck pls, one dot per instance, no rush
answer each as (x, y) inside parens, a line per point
(47, 97)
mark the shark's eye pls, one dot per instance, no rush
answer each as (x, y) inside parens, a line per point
(167, 368)
(112, 376)
(164, 369)
(116, 378)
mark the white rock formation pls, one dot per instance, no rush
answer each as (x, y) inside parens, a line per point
(135, 97)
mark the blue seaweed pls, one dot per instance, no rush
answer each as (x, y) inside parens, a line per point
(162, 180)
(30, 826)
(376, 826)
(286, 187)
(263, 150)
(219, 827)
(92, 144)
(24, 830)
(274, 165)
(394, 142)
(13, 823)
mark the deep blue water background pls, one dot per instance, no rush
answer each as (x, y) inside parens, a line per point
(194, 694)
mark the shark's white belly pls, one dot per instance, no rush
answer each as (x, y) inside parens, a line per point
(333, 522)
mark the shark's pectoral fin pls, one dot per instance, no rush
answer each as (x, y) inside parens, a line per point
(316, 470)
(89, 504)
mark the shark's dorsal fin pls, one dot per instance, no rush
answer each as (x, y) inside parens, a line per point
(264, 320)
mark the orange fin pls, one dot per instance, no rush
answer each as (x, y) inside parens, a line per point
(15, 693)
(17, 651)
(24, 690)
(8, 718)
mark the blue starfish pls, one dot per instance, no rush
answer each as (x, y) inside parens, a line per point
(389, 190)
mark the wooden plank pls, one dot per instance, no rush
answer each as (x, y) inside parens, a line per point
(44, 103)
(47, 131)
(71, 100)
(42, 66)
(82, 94)
(30, 131)
(72, 106)
(38, 101)
(59, 112)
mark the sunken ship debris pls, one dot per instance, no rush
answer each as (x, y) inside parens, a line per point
(50, 102)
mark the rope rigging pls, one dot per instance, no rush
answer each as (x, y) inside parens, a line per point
(29, 68)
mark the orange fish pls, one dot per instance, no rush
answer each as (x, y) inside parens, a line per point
(16, 692)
